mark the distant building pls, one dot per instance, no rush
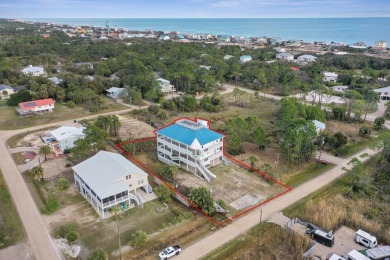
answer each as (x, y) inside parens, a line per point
(340, 89)
(319, 125)
(285, 56)
(165, 85)
(205, 67)
(109, 180)
(36, 107)
(190, 145)
(227, 57)
(66, 136)
(384, 93)
(55, 80)
(359, 45)
(330, 76)
(164, 38)
(34, 71)
(245, 58)
(6, 91)
(307, 58)
(280, 49)
(380, 45)
(117, 93)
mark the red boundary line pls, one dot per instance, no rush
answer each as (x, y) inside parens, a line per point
(219, 224)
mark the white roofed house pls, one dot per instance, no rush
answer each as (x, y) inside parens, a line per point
(65, 137)
(330, 76)
(285, 56)
(307, 58)
(87, 65)
(319, 126)
(384, 93)
(34, 71)
(109, 179)
(117, 93)
(190, 145)
(227, 57)
(165, 85)
(380, 45)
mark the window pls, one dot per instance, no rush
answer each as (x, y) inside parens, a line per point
(130, 185)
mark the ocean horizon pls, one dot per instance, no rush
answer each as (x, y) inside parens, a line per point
(346, 30)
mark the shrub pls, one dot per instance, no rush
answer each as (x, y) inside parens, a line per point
(67, 151)
(51, 204)
(202, 198)
(98, 254)
(72, 236)
(2, 237)
(138, 239)
(364, 131)
(65, 230)
(378, 123)
(63, 184)
(164, 193)
(71, 104)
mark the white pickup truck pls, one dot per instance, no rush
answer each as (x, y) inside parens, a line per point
(169, 252)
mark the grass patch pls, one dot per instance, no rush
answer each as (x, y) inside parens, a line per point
(352, 148)
(9, 119)
(10, 225)
(265, 241)
(18, 158)
(313, 170)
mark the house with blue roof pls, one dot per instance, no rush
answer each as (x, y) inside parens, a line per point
(245, 58)
(191, 145)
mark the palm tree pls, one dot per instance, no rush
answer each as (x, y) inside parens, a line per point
(253, 159)
(37, 172)
(44, 150)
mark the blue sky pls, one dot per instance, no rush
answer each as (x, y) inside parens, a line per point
(192, 8)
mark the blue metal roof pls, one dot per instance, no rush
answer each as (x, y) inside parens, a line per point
(186, 135)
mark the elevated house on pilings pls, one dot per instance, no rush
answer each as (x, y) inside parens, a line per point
(191, 145)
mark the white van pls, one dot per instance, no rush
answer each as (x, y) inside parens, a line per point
(333, 256)
(355, 255)
(365, 239)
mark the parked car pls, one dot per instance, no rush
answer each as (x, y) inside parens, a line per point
(169, 252)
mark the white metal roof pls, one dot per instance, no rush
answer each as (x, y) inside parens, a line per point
(114, 89)
(379, 252)
(32, 69)
(104, 173)
(319, 124)
(365, 235)
(330, 74)
(64, 132)
(380, 90)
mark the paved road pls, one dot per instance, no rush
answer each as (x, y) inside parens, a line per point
(243, 224)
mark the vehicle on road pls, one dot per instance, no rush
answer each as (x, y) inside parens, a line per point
(169, 252)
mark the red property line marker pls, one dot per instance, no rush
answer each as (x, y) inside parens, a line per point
(219, 224)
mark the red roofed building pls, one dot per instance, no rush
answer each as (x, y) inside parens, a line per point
(36, 107)
(295, 69)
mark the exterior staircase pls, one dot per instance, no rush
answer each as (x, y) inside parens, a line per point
(208, 175)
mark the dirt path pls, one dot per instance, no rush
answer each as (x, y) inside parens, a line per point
(243, 224)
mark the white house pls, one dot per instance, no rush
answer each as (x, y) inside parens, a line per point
(205, 67)
(109, 179)
(340, 89)
(330, 76)
(285, 56)
(280, 49)
(34, 71)
(384, 93)
(245, 58)
(227, 57)
(380, 45)
(117, 93)
(165, 85)
(66, 136)
(87, 65)
(6, 91)
(55, 80)
(36, 107)
(319, 125)
(307, 58)
(190, 145)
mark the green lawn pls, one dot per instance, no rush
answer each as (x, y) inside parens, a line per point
(352, 148)
(10, 224)
(9, 119)
(311, 171)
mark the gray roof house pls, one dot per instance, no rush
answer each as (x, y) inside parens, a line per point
(117, 93)
(384, 93)
(307, 58)
(284, 56)
(6, 91)
(109, 179)
(340, 89)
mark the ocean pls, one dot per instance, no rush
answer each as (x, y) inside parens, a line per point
(347, 30)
